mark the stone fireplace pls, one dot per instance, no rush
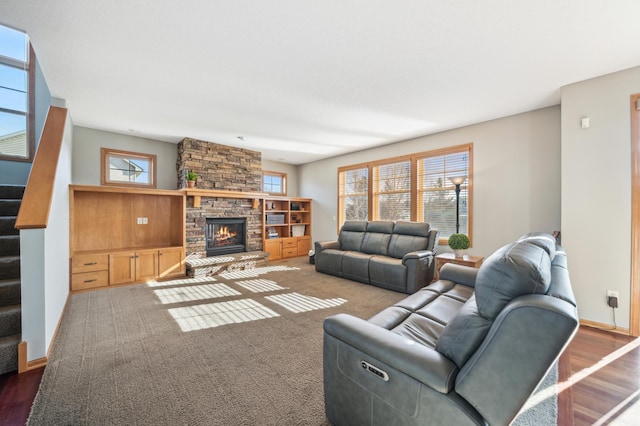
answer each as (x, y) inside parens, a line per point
(220, 168)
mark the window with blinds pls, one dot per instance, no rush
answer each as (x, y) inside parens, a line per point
(353, 194)
(414, 187)
(392, 191)
(436, 195)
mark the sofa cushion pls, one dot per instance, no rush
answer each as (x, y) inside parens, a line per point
(376, 239)
(545, 241)
(387, 272)
(514, 270)
(351, 234)
(463, 334)
(355, 266)
(408, 237)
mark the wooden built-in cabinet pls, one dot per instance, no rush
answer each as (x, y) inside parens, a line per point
(122, 235)
(286, 227)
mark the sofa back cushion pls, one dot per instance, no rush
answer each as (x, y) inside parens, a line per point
(376, 239)
(514, 270)
(545, 241)
(352, 234)
(408, 237)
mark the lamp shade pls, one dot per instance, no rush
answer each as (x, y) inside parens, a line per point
(457, 180)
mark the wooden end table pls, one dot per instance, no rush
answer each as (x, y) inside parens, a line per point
(466, 260)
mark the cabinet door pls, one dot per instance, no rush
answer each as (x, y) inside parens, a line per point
(274, 248)
(304, 245)
(146, 265)
(122, 268)
(171, 262)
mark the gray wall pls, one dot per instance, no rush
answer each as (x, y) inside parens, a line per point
(86, 155)
(17, 172)
(516, 162)
(596, 192)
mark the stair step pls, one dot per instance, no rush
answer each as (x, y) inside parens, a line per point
(8, 225)
(14, 192)
(10, 293)
(9, 245)
(9, 207)
(9, 353)
(9, 267)
(10, 320)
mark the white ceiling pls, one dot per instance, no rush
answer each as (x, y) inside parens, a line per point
(306, 80)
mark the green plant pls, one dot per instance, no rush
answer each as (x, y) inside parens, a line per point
(459, 242)
(191, 175)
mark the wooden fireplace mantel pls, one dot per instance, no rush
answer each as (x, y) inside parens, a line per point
(197, 194)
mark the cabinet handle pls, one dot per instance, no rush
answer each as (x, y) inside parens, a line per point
(90, 281)
(90, 263)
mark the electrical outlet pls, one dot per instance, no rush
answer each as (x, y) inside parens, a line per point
(139, 221)
(145, 220)
(612, 293)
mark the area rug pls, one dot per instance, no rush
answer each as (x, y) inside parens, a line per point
(240, 348)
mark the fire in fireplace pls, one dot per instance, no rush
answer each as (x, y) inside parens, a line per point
(225, 235)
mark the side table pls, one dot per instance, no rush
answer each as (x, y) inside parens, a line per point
(466, 260)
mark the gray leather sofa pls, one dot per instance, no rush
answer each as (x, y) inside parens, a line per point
(468, 349)
(397, 256)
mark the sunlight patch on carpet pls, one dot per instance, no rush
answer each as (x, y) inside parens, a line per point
(255, 272)
(213, 315)
(260, 285)
(297, 303)
(199, 280)
(198, 292)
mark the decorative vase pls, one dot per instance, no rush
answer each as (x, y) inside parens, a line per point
(191, 184)
(459, 252)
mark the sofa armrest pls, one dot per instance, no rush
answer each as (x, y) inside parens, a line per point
(421, 362)
(421, 254)
(322, 245)
(459, 274)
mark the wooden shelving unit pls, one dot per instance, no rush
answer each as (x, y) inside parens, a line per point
(286, 227)
(125, 235)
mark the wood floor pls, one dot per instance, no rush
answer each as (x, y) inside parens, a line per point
(599, 382)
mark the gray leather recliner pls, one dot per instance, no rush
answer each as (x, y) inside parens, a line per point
(468, 349)
(397, 256)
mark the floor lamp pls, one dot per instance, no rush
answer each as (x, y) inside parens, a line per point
(457, 181)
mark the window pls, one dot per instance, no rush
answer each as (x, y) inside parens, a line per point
(436, 193)
(16, 96)
(353, 198)
(392, 191)
(414, 187)
(274, 183)
(123, 168)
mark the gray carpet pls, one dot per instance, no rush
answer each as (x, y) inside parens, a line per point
(242, 349)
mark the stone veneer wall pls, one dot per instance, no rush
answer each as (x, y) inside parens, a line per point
(221, 168)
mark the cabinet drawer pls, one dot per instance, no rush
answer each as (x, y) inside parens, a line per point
(89, 262)
(86, 280)
(289, 243)
(289, 252)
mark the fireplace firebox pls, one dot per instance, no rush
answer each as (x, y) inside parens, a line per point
(225, 235)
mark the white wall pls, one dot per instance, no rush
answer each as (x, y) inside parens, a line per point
(596, 191)
(44, 262)
(86, 155)
(516, 163)
(291, 171)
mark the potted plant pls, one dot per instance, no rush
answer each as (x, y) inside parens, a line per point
(459, 243)
(191, 179)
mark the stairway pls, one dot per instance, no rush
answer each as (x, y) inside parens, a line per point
(10, 310)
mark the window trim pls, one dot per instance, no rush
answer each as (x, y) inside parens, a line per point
(413, 158)
(31, 103)
(105, 153)
(282, 176)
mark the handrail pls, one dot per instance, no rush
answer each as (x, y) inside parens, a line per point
(36, 202)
